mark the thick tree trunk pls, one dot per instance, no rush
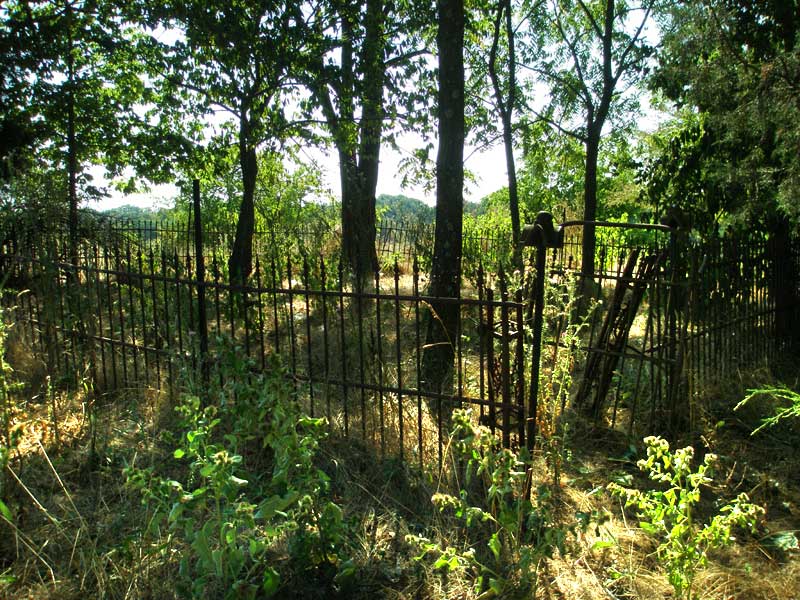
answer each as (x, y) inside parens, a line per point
(240, 264)
(358, 220)
(443, 326)
(359, 167)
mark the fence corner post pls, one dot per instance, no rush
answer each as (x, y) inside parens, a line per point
(542, 235)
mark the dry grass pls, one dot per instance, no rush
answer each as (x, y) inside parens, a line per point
(77, 529)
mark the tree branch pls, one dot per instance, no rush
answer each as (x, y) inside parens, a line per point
(592, 20)
(622, 67)
(576, 61)
(568, 132)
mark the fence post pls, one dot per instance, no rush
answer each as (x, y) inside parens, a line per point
(202, 322)
(542, 235)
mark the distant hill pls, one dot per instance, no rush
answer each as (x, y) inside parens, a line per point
(135, 213)
(404, 208)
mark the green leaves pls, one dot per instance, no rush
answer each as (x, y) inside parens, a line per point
(6, 512)
(774, 395)
(227, 516)
(719, 63)
(76, 85)
(498, 514)
(270, 582)
(668, 514)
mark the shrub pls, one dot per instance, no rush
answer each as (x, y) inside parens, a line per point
(228, 519)
(510, 527)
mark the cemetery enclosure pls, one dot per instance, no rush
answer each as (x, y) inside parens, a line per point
(664, 318)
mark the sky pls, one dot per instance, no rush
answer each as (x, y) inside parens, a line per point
(488, 166)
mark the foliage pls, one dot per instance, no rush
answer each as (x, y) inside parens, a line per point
(486, 240)
(135, 213)
(71, 88)
(227, 515)
(670, 514)
(732, 67)
(509, 528)
(792, 411)
(551, 175)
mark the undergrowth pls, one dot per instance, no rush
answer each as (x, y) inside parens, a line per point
(234, 492)
(670, 514)
(505, 528)
(249, 484)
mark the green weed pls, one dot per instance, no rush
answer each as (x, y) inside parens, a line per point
(669, 515)
(10, 436)
(228, 520)
(780, 394)
(509, 528)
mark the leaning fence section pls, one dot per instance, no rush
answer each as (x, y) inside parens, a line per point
(628, 315)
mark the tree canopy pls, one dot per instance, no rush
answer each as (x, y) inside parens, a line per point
(168, 91)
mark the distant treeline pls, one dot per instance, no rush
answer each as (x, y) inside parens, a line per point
(389, 207)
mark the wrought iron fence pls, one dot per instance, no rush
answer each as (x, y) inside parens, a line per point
(661, 320)
(129, 318)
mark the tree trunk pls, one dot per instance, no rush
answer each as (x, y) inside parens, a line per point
(506, 108)
(513, 193)
(784, 284)
(358, 219)
(443, 325)
(359, 168)
(589, 244)
(240, 264)
(72, 174)
(595, 120)
(72, 149)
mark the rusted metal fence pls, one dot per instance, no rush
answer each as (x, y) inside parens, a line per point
(130, 318)
(670, 319)
(662, 317)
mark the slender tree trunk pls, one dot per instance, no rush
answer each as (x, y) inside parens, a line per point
(72, 174)
(443, 326)
(595, 120)
(72, 150)
(506, 108)
(589, 244)
(513, 195)
(240, 264)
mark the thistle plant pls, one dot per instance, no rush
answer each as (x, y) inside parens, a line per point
(669, 514)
